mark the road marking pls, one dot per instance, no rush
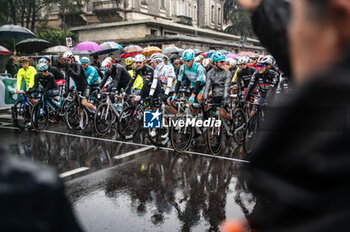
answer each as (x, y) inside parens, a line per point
(136, 144)
(132, 152)
(73, 172)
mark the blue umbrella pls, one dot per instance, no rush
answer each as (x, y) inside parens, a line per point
(223, 52)
(108, 47)
(209, 53)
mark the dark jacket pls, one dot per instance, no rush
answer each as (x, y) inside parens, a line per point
(32, 198)
(120, 77)
(47, 82)
(270, 21)
(97, 66)
(75, 71)
(56, 73)
(11, 69)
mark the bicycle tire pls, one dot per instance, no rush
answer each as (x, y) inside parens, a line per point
(174, 138)
(20, 116)
(73, 116)
(39, 117)
(239, 119)
(214, 139)
(128, 123)
(103, 119)
(250, 135)
(161, 138)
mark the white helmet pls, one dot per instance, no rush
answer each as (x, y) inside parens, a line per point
(243, 60)
(206, 63)
(156, 57)
(67, 55)
(42, 61)
(197, 59)
(232, 62)
(106, 65)
(140, 58)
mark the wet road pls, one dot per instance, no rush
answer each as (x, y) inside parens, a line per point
(131, 186)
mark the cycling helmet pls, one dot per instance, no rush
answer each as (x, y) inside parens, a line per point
(206, 63)
(165, 57)
(272, 58)
(188, 55)
(84, 60)
(67, 55)
(157, 57)
(106, 65)
(41, 67)
(232, 62)
(197, 59)
(23, 59)
(128, 61)
(265, 60)
(42, 61)
(243, 60)
(218, 56)
(254, 56)
(140, 58)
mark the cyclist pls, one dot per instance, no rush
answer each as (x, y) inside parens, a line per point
(218, 81)
(128, 63)
(52, 69)
(146, 72)
(265, 79)
(74, 70)
(244, 74)
(138, 83)
(164, 79)
(93, 79)
(167, 62)
(254, 61)
(27, 73)
(233, 65)
(206, 63)
(119, 75)
(196, 76)
(46, 80)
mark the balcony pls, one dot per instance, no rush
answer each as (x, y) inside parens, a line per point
(105, 5)
(107, 11)
(182, 19)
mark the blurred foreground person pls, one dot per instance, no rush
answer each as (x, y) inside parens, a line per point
(32, 198)
(301, 167)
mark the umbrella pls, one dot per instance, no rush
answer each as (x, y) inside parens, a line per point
(88, 46)
(151, 50)
(210, 53)
(30, 46)
(15, 32)
(4, 51)
(131, 54)
(132, 48)
(246, 54)
(108, 47)
(223, 52)
(197, 51)
(170, 50)
(231, 55)
(180, 51)
(58, 49)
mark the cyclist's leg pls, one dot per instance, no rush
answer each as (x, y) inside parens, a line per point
(84, 102)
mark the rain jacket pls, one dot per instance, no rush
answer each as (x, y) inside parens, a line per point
(75, 71)
(92, 76)
(32, 198)
(26, 74)
(138, 83)
(120, 77)
(47, 82)
(219, 82)
(165, 76)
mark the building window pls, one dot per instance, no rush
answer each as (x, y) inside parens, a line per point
(219, 15)
(162, 4)
(171, 8)
(144, 2)
(154, 32)
(212, 14)
(194, 13)
(189, 10)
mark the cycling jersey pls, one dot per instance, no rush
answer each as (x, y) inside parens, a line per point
(47, 82)
(244, 77)
(218, 80)
(138, 83)
(56, 73)
(28, 75)
(194, 74)
(146, 72)
(75, 71)
(265, 82)
(92, 76)
(120, 77)
(164, 75)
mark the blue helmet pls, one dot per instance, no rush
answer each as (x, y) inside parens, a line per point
(41, 67)
(218, 56)
(188, 55)
(84, 60)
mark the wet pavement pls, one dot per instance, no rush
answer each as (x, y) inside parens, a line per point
(117, 185)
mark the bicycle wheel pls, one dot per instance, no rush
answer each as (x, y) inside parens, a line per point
(181, 137)
(215, 139)
(239, 122)
(159, 137)
(39, 117)
(76, 117)
(20, 114)
(103, 119)
(250, 135)
(129, 122)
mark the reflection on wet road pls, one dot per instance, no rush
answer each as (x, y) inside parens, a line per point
(117, 186)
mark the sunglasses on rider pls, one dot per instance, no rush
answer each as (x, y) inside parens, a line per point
(221, 61)
(261, 65)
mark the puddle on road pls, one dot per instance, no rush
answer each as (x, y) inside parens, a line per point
(162, 192)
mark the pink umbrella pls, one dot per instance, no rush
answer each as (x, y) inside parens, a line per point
(88, 46)
(246, 54)
(4, 51)
(231, 55)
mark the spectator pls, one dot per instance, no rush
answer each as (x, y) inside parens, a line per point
(32, 62)
(12, 66)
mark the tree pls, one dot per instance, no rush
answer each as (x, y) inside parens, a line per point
(55, 36)
(239, 18)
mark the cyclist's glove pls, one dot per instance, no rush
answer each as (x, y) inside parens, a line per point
(191, 99)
